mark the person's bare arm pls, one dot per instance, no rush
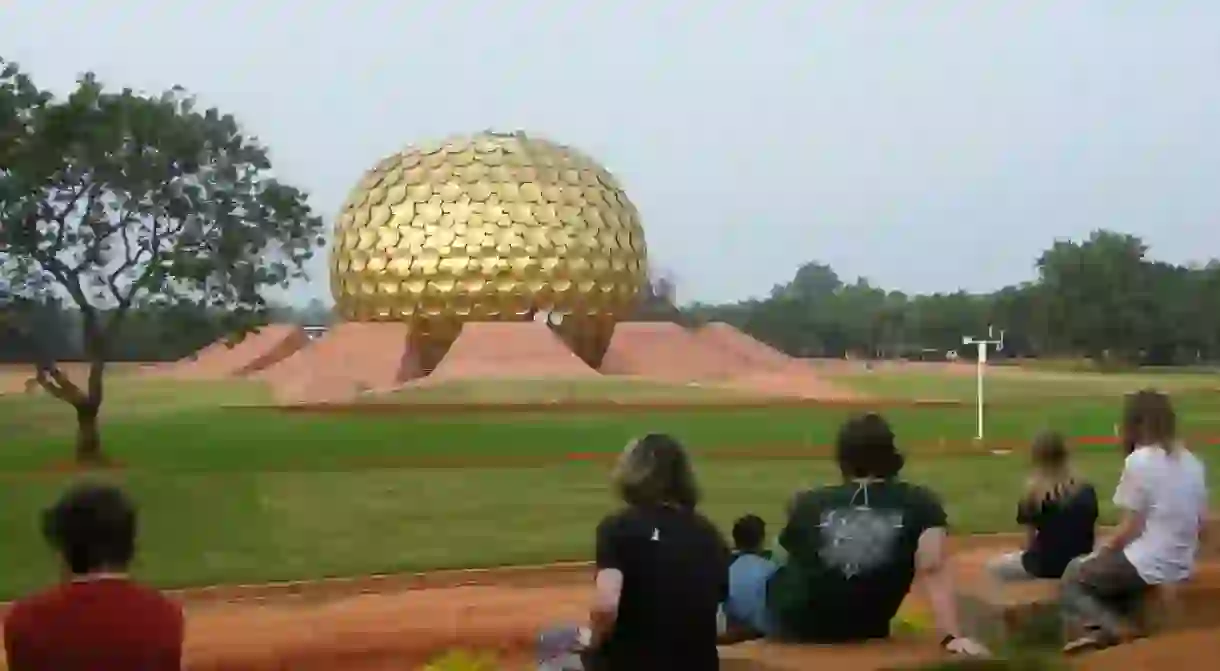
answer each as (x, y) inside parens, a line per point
(608, 590)
(932, 570)
(1130, 526)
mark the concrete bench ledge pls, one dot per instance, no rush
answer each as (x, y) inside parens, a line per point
(1029, 610)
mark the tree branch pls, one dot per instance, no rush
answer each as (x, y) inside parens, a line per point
(61, 218)
(57, 384)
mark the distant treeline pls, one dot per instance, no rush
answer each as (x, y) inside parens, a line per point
(149, 333)
(1101, 298)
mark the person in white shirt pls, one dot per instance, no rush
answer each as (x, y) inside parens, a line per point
(1162, 497)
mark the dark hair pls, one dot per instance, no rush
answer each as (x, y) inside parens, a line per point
(655, 470)
(93, 527)
(749, 533)
(1148, 419)
(865, 448)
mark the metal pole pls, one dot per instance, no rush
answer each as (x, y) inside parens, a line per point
(979, 393)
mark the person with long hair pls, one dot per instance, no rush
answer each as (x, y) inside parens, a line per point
(853, 551)
(1058, 510)
(661, 572)
(1162, 497)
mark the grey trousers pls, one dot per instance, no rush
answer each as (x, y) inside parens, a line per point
(1101, 591)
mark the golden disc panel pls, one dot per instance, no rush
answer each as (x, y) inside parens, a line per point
(490, 226)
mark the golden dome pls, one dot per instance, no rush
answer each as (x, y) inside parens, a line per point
(489, 227)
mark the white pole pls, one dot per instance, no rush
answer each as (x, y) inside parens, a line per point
(980, 366)
(982, 362)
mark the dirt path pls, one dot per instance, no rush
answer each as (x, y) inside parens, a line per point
(401, 622)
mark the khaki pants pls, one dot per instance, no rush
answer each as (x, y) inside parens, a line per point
(1101, 591)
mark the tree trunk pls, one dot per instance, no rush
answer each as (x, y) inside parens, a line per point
(88, 435)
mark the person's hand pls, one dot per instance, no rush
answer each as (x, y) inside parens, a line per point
(562, 641)
(967, 647)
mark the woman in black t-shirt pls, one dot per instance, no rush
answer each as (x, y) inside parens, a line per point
(1058, 510)
(662, 568)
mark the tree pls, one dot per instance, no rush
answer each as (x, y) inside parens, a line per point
(108, 199)
(1101, 292)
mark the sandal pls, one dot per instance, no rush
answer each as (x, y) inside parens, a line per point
(1091, 643)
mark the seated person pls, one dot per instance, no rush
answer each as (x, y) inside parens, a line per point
(98, 619)
(1059, 512)
(749, 570)
(661, 573)
(750, 537)
(854, 550)
(1162, 495)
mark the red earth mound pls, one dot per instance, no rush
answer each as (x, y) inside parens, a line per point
(768, 371)
(752, 352)
(350, 358)
(667, 352)
(508, 350)
(267, 347)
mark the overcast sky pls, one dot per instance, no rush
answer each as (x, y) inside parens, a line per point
(928, 145)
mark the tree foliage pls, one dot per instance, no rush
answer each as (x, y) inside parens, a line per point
(1100, 298)
(110, 200)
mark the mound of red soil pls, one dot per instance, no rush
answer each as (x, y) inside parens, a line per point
(665, 351)
(269, 346)
(350, 358)
(751, 351)
(764, 370)
(508, 350)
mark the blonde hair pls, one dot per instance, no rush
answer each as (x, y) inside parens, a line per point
(655, 470)
(1052, 478)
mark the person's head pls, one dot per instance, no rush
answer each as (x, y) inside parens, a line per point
(749, 533)
(93, 528)
(865, 448)
(655, 470)
(1051, 475)
(1148, 419)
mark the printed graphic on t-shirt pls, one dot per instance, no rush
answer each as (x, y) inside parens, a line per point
(859, 539)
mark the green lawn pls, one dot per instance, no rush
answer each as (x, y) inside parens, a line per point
(252, 526)
(261, 440)
(554, 391)
(1011, 384)
(250, 495)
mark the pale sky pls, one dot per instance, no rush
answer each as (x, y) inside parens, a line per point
(928, 145)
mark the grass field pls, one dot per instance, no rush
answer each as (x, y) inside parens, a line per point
(556, 391)
(252, 495)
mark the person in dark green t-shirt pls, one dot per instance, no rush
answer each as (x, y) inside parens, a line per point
(854, 550)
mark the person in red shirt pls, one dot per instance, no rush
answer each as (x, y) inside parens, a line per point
(97, 619)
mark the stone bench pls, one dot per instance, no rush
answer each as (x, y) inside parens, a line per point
(1029, 612)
